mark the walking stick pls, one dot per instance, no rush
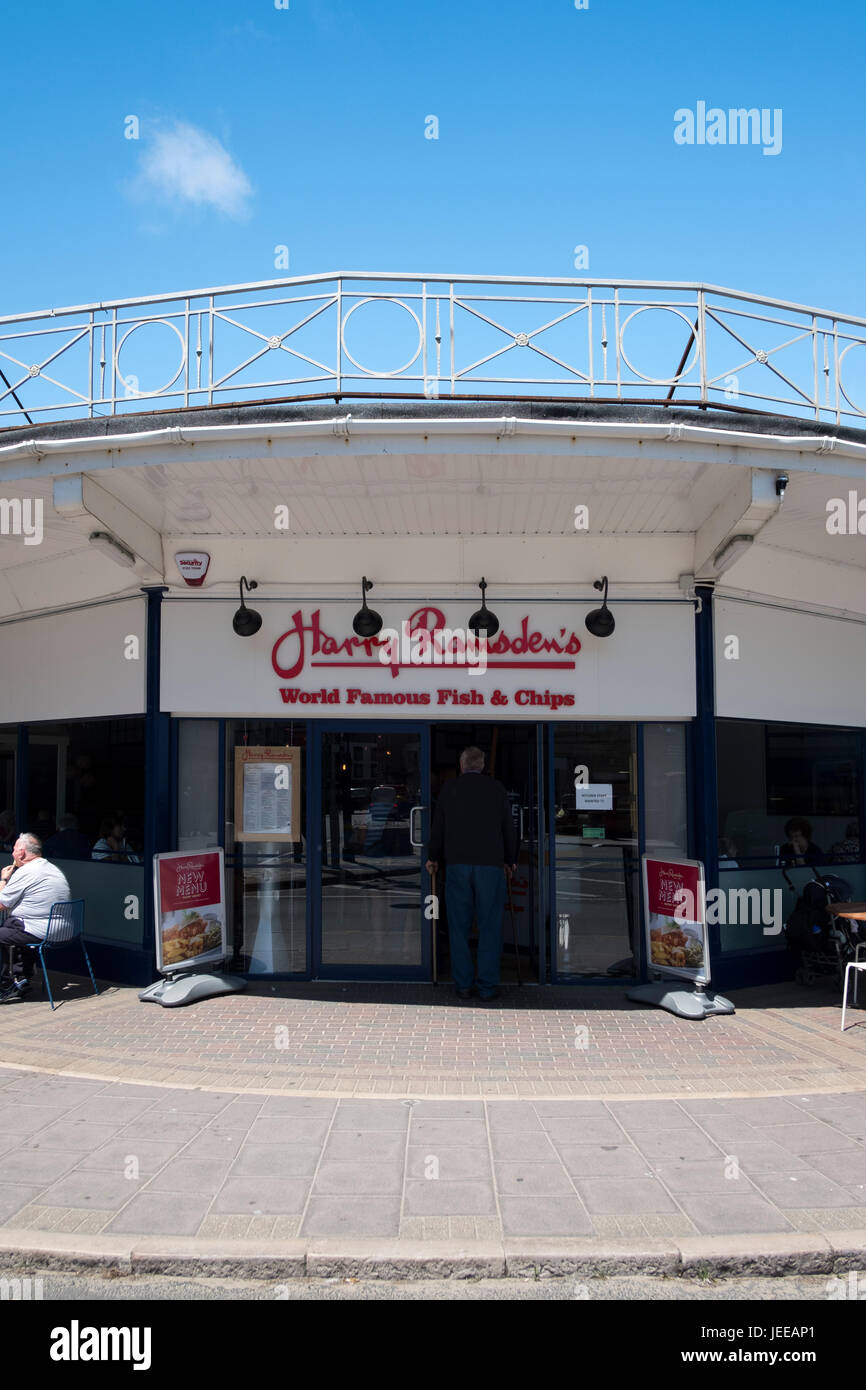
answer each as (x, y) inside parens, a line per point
(435, 920)
(513, 927)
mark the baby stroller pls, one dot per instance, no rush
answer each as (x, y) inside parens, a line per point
(822, 943)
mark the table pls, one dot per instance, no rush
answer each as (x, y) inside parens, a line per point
(857, 913)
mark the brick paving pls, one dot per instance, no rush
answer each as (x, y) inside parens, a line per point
(417, 1041)
(318, 1112)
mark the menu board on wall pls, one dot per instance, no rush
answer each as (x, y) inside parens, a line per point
(268, 794)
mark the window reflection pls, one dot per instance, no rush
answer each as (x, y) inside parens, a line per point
(788, 795)
(596, 849)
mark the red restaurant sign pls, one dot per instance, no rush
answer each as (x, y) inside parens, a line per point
(306, 644)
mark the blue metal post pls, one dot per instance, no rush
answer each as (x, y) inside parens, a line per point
(705, 774)
(157, 762)
(22, 790)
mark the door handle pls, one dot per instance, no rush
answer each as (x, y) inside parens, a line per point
(415, 843)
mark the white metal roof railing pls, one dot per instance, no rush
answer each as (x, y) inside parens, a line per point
(442, 337)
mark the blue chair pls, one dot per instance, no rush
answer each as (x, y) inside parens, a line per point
(66, 924)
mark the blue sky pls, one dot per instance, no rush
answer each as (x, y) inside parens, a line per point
(555, 129)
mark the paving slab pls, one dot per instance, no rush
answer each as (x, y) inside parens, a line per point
(91, 1189)
(532, 1179)
(791, 1190)
(161, 1213)
(351, 1217)
(352, 1178)
(447, 1164)
(183, 1174)
(545, 1216)
(275, 1160)
(262, 1196)
(740, 1215)
(603, 1160)
(439, 1136)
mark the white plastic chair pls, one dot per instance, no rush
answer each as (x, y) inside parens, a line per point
(856, 965)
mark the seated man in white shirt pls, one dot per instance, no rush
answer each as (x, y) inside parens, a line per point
(28, 888)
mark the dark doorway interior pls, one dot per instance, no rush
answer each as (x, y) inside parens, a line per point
(509, 751)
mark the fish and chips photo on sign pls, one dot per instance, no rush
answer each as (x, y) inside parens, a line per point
(190, 908)
(675, 917)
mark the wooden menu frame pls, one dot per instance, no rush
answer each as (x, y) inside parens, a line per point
(264, 757)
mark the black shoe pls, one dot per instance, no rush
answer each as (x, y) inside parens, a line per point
(13, 992)
(464, 993)
(487, 994)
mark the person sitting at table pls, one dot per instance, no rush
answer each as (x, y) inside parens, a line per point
(112, 843)
(799, 848)
(29, 887)
(848, 850)
(727, 853)
(68, 841)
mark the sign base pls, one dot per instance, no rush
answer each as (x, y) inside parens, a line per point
(686, 1003)
(189, 988)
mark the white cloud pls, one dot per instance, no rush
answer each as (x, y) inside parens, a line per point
(186, 164)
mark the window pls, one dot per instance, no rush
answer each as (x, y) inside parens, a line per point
(198, 784)
(597, 918)
(83, 779)
(266, 883)
(772, 774)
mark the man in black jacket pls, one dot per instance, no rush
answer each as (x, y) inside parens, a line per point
(474, 831)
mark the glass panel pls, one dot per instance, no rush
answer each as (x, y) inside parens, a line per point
(597, 917)
(8, 818)
(85, 786)
(787, 794)
(109, 892)
(198, 784)
(266, 882)
(509, 751)
(371, 874)
(665, 794)
(751, 920)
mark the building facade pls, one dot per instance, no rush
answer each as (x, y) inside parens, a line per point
(725, 704)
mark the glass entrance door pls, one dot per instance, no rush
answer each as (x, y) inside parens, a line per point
(510, 752)
(596, 851)
(374, 824)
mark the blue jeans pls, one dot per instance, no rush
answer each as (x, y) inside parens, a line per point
(475, 890)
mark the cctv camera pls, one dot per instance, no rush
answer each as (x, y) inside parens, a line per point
(781, 484)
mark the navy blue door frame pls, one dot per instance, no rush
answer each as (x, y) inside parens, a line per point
(541, 835)
(316, 728)
(640, 792)
(160, 769)
(704, 796)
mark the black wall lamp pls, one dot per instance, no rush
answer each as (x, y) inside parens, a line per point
(246, 621)
(600, 622)
(484, 623)
(366, 623)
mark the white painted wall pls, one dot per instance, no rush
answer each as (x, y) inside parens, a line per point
(795, 666)
(72, 665)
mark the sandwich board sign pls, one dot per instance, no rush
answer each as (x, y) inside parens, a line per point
(675, 917)
(675, 922)
(189, 898)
